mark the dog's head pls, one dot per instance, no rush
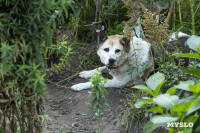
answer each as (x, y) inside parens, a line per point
(113, 50)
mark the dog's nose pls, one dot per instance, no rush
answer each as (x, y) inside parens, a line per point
(111, 61)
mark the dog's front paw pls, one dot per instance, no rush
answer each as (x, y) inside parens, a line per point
(86, 74)
(80, 86)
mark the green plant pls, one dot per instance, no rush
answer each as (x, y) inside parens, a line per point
(27, 27)
(132, 117)
(98, 97)
(116, 29)
(170, 106)
(173, 109)
(173, 74)
(59, 49)
(184, 21)
(194, 43)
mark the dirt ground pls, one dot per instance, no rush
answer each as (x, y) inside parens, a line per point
(70, 111)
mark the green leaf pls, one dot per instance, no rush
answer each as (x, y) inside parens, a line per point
(144, 88)
(184, 85)
(193, 42)
(149, 127)
(198, 49)
(183, 108)
(187, 130)
(97, 93)
(187, 120)
(185, 100)
(163, 119)
(156, 109)
(94, 100)
(167, 101)
(192, 118)
(195, 72)
(142, 101)
(86, 4)
(171, 91)
(193, 108)
(197, 130)
(66, 14)
(171, 130)
(188, 55)
(154, 80)
(76, 11)
(148, 101)
(156, 91)
(195, 89)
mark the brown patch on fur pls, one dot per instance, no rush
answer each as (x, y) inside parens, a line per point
(126, 44)
(113, 40)
(122, 42)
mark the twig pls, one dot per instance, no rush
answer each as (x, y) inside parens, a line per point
(180, 14)
(96, 16)
(99, 18)
(193, 14)
(151, 5)
(197, 9)
(108, 13)
(87, 25)
(57, 84)
(67, 78)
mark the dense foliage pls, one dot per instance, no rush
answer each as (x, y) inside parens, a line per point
(28, 37)
(26, 29)
(181, 111)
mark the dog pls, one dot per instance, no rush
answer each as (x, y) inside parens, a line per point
(128, 61)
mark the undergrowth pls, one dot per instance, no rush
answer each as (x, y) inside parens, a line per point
(156, 22)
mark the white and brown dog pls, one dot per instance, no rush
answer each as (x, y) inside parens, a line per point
(125, 65)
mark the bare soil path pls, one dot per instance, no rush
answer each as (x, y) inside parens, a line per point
(70, 111)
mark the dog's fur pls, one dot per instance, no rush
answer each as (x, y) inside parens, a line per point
(119, 55)
(137, 57)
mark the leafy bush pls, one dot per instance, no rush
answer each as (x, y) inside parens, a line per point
(174, 110)
(170, 106)
(27, 28)
(116, 29)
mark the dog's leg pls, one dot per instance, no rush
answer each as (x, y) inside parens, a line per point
(90, 73)
(81, 86)
(113, 83)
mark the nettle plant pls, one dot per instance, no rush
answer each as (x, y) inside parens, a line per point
(176, 114)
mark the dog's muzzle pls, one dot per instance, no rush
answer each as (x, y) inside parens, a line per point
(111, 62)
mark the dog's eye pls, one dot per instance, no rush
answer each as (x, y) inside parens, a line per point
(117, 51)
(106, 49)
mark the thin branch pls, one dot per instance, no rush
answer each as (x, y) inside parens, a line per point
(197, 8)
(88, 25)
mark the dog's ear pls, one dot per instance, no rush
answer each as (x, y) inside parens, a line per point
(102, 40)
(125, 41)
(103, 36)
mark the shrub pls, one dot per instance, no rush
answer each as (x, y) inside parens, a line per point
(26, 29)
(175, 113)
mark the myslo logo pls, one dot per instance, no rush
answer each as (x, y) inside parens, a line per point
(179, 124)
